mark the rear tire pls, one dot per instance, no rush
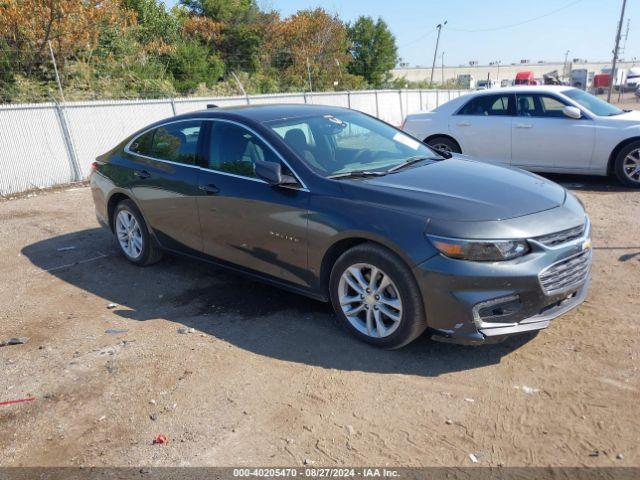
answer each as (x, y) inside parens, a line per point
(132, 235)
(386, 311)
(446, 144)
(628, 161)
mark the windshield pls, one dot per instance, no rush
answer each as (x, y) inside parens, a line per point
(348, 142)
(592, 103)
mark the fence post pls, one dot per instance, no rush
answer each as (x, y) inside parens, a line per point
(420, 91)
(348, 99)
(377, 107)
(68, 143)
(173, 106)
(437, 98)
(304, 96)
(401, 109)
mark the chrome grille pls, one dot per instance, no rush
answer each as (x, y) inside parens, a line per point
(566, 274)
(564, 236)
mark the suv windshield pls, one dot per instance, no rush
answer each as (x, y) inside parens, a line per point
(592, 103)
(346, 142)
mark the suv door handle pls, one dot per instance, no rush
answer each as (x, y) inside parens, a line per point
(524, 125)
(141, 174)
(209, 189)
(464, 124)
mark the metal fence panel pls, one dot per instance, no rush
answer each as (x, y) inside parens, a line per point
(96, 127)
(32, 149)
(36, 153)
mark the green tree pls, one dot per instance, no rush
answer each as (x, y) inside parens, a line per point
(192, 64)
(154, 22)
(374, 50)
(227, 11)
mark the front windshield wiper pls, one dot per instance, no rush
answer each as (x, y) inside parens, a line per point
(357, 174)
(409, 161)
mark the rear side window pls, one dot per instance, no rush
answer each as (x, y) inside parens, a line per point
(142, 144)
(487, 105)
(177, 142)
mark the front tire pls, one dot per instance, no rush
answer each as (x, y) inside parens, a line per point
(376, 297)
(627, 165)
(444, 144)
(132, 235)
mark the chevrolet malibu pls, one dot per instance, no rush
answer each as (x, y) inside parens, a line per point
(339, 206)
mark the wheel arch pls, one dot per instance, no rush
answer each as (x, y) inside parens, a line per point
(445, 135)
(114, 199)
(341, 245)
(616, 150)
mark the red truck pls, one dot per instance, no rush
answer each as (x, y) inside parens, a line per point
(601, 82)
(525, 78)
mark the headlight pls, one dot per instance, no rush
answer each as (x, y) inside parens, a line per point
(480, 250)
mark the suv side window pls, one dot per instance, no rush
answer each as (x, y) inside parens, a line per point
(234, 149)
(177, 142)
(536, 105)
(487, 105)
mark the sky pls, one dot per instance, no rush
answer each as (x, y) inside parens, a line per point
(486, 30)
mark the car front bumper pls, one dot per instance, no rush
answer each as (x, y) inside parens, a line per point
(486, 302)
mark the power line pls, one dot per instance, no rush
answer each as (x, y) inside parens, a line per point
(512, 25)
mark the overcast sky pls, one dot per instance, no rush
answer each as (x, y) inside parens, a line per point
(585, 27)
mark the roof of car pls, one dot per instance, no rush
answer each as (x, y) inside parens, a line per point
(269, 112)
(525, 88)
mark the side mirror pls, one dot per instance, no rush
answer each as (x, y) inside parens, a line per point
(271, 172)
(572, 112)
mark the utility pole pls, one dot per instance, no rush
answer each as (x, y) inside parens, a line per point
(615, 51)
(55, 69)
(435, 54)
(442, 68)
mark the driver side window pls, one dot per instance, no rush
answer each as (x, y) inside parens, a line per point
(234, 149)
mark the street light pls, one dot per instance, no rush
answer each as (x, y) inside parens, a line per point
(435, 53)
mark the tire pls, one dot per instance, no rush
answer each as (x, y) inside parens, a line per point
(148, 252)
(394, 334)
(624, 162)
(444, 143)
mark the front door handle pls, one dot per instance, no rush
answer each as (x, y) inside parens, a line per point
(141, 174)
(524, 125)
(209, 189)
(464, 124)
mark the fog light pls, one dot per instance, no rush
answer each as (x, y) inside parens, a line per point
(496, 312)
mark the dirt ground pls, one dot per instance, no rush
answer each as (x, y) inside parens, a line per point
(268, 378)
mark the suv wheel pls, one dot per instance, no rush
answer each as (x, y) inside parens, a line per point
(376, 297)
(627, 166)
(132, 235)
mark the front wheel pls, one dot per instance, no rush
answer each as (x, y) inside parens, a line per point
(376, 297)
(132, 235)
(627, 166)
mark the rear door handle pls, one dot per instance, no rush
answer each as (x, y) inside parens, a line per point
(464, 124)
(209, 189)
(141, 174)
(524, 125)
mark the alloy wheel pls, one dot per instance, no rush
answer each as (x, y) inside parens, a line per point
(631, 165)
(442, 147)
(370, 300)
(129, 234)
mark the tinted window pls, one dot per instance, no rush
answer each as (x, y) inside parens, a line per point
(177, 142)
(487, 105)
(142, 144)
(539, 106)
(234, 149)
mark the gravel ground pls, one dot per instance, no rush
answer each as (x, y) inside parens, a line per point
(269, 378)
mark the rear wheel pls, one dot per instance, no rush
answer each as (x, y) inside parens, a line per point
(376, 297)
(627, 166)
(444, 144)
(132, 235)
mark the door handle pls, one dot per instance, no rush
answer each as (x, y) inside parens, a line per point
(464, 124)
(524, 125)
(209, 189)
(141, 174)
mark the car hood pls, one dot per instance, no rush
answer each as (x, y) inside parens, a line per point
(632, 116)
(460, 189)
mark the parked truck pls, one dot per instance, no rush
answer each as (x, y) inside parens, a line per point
(525, 78)
(581, 78)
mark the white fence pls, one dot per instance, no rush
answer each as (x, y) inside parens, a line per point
(42, 145)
